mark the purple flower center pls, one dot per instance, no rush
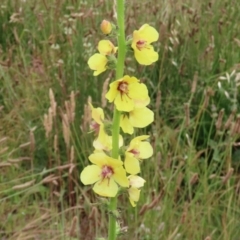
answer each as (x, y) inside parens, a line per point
(135, 152)
(123, 87)
(95, 127)
(141, 44)
(107, 172)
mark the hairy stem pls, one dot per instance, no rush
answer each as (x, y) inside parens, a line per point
(112, 233)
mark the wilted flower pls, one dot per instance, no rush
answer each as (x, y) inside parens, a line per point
(135, 182)
(103, 140)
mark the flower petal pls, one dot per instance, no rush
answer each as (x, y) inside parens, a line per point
(111, 94)
(98, 63)
(99, 158)
(114, 163)
(130, 80)
(103, 141)
(125, 124)
(140, 103)
(141, 117)
(120, 177)
(136, 181)
(134, 195)
(146, 150)
(138, 139)
(138, 91)
(124, 103)
(135, 142)
(105, 47)
(148, 33)
(106, 188)
(97, 114)
(132, 202)
(146, 56)
(90, 174)
(131, 164)
(143, 148)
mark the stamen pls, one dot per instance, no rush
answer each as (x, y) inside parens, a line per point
(95, 127)
(123, 87)
(107, 172)
(135, 152)
(141, 44)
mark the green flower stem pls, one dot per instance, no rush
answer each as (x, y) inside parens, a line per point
(121, 39)
(112, 233)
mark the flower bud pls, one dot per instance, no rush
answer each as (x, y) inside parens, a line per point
(106, 27)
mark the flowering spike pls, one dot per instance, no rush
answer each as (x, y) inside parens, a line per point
(130, 98)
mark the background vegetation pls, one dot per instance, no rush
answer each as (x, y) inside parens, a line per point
(192, 188)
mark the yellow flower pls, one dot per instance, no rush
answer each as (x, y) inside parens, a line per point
(103, 141)
(135, 182)
(138, 117)
(141, 44)
(106, 27)
(137, 150)
(128, 93)
(106, 47)
(105, 173)
(97, 115)
(98, 62)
